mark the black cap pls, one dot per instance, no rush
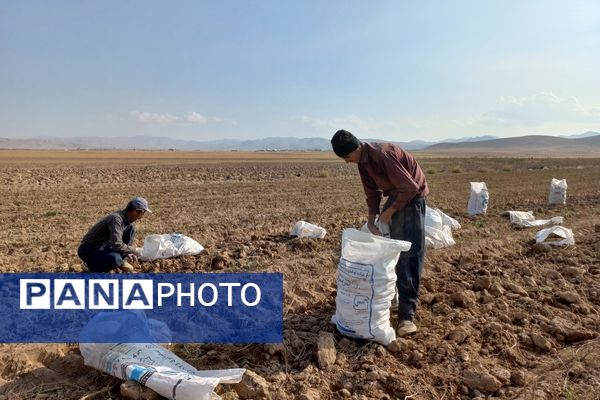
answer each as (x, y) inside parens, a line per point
(344, 143)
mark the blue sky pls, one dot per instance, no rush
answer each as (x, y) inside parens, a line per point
(207, 70)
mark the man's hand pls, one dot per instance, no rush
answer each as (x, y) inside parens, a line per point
(373, 229)
(137, 253)
(386, 216)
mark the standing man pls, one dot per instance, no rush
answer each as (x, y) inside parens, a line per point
(108, 244)
(387, 169)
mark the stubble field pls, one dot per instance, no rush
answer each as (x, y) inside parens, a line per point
(498, 317)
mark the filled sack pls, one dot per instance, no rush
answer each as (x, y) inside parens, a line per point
(366, 285)
(479, 199)
(558, 192)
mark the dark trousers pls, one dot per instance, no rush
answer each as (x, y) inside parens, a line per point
(409, 224)
(103, 258)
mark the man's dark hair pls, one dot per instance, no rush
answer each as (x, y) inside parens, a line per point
(130, 207)
(344, 143)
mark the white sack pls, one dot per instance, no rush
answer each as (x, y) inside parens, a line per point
(525, 219)
(439, 238)
(366, 285)
(433, 218)
(558, 192)
(169, 245)
(479, 199)
(305, 229)
(157, 368)
(449, 221)
(438, 228)
(565, 236)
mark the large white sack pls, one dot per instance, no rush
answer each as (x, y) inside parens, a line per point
(558, 192)
(439, 238)
(447, 220)
(157, 368)
(306, 229)
(525, 219)
(366, 285)
(479, 199)
(565, 236)
(438, 228)
(169, 245)
(433, 218)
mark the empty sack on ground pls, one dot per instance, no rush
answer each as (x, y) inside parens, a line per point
(306, 229)
(169, 245)
(555, 236)
(157, 368)
(525, 219)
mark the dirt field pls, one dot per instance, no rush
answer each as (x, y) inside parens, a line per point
(498, 318)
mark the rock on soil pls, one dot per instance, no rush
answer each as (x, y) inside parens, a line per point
(133, 390)
(252, 386)
(464, 299)
(481, 381)
(326, 352)
(481, 283)
(309, 394)
(568, 297)
(541, 342)
(541, 248)
(562, 329)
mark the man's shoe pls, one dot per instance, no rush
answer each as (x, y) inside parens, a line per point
(84, 267)
(126, 267)
(406, 328)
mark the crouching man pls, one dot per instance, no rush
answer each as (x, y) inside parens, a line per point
(108, 244)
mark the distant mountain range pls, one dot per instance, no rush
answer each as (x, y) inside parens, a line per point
(585, 142)
(164, 143)
(580, 135)
(537, 144)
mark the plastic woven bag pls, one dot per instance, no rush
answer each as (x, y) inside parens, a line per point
(555, 236)
(558, 192)
(157, 368)
(306, 229)
(169, 245)
(479, 199)
(366, 285)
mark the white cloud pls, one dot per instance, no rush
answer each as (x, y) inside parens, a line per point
(194, 117)
(153, 118)
(540, 109)
(163, 119)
